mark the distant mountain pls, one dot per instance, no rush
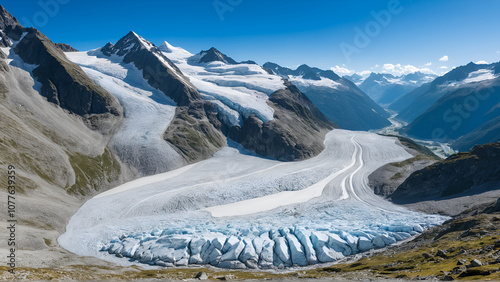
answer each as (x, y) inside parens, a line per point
(214, 55)
(385, 88)
(355, 78)
(488, 132)
(415, 103)
(338, 99)
(463, 104)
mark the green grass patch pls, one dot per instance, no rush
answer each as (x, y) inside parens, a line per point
(92, 172)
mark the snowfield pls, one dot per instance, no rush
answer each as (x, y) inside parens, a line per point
(240, 90)
(237, 210)
(147, 112)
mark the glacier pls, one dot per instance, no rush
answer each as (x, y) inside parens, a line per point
(147, 112)
(243, 89)
(237, 210)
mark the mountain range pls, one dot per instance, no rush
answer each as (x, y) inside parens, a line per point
(460, 107)
(337, 98)
(385, 88)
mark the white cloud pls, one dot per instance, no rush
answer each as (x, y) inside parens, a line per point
(428, 64)
(481, 63)
(444, 59)
(365, 73)
(399, 69)
(443, 67)
(342, 71)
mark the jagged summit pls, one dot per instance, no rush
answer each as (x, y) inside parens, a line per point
(214, 55)
(7, 19)
(10, 28)
(304, 71)
(130, 42)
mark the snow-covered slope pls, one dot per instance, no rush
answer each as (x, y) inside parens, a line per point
(240, 211)
(238, 89)
(148, 112)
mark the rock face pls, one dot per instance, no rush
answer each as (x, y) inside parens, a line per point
(473, 172)
(65, 47)
(65, 84)
(337, 98)
(296, 132)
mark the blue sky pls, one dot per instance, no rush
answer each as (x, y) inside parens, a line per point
(344, 34)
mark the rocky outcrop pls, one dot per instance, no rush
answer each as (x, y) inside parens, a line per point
(195, 131)
(66, 84)
(296, 132)
(458, 175)
(386, 179)
(65, 47)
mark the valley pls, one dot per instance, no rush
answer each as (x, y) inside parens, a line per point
(324, 202)
(141, 161)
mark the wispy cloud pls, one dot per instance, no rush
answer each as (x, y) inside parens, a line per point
(428, 64)
(444, 59)
(444, 67)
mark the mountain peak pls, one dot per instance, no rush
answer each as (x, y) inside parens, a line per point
(307, 72)
(166, 47)
(130, 42)
(214, 55)
(7, 19)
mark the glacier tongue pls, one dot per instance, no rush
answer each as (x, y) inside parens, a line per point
(166, 220)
